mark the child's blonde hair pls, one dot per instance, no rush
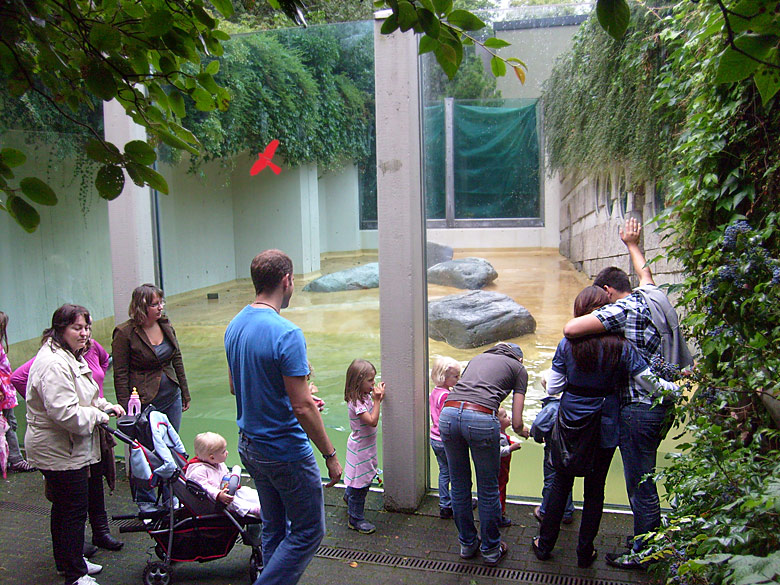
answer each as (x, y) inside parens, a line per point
(208, 443)
(357, 372)
(440, 367)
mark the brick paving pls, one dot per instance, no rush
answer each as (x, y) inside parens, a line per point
(422, 540)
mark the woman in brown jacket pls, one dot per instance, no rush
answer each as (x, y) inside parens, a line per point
(147, 357)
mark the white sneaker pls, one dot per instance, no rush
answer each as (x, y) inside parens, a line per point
(92, 569)
(86, 580)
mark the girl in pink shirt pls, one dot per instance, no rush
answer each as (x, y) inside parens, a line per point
(444, 375)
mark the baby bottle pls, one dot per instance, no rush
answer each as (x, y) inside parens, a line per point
(134, 404)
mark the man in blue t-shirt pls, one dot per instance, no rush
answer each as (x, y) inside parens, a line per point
(277, 416)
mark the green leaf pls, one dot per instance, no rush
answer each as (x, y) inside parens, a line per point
(429, 22)
(407, 15)
(207, 82)
(12, 157)
(428, 5)
(103, 152)
(497, 66)
(172, 140)
(101, 82)
(495, 43)
(465, 20)
(24, 213)
(203, 17)
(158, 22)
(105, 37)
(734, 66)
(213, 67)
(390, 25)
(442, 6)
(109, 182)
(144, 175)
(225, 7)
(176, 102)
(168, 65)
(447, 58)
(768, 82)
(38, 191)
(140, 152)
(613, 17)
(427, 44)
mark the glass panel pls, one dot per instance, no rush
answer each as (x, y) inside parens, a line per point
(216, 219)
(68, 258)
(498, 175)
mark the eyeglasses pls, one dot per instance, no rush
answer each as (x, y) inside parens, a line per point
(158, 305)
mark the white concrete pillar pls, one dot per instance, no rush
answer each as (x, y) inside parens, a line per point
(402, 289)
(129, 218)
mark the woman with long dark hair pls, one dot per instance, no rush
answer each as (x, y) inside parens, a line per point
(64, 409)
(590, 371)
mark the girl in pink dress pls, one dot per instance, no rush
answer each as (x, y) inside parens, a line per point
(363, 398)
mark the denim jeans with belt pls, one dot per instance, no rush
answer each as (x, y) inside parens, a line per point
(293, 512)
(469, 431)
(641, 430)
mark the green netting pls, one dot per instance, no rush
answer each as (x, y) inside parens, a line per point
(496, 161)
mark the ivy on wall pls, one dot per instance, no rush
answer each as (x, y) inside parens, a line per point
(656, 104)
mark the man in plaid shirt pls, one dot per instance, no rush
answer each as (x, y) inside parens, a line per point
(642, 426)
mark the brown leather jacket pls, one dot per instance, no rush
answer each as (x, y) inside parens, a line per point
(137, 366)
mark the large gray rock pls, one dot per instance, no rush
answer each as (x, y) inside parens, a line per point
(436, 253)
(360, 277)
(477, 318)
(468, 273)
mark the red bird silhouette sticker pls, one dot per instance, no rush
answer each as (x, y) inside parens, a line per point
(264, 159)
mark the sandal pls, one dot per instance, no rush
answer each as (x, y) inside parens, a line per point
(503, 548)
(22, 467)
(540, 554)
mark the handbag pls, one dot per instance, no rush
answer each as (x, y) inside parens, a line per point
(573, 443)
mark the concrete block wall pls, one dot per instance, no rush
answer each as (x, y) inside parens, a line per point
(590, 223)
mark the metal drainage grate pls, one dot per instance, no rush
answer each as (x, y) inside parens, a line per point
(41, 511)
(457, 568)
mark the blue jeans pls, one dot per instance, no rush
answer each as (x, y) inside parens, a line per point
(549, 477)
(293, 512)
(464, 431)
(356, 501)
(641, 429)
(444, 474)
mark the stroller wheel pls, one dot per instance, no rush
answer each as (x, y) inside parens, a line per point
(157, 573)
(255, 564)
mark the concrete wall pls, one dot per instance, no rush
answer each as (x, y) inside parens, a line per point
(276, 211)
(196, 228)
(339, 210)
(589, 224)
(538, 48)
(67, 260)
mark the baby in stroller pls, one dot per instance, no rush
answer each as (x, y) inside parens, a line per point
(208, 469)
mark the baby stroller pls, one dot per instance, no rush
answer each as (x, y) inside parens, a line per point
(189, 526)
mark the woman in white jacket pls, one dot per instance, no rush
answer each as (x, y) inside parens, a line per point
(63, 411)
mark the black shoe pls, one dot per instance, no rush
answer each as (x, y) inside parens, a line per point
(584, 563)
(445, 513)
(623, 561)
(504, 522)
(107, 541)
(540, 554)
(89, 550)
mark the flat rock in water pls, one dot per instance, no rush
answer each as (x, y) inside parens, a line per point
(477, 318)
(468, 273)
(436, 253)
(358, 278)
